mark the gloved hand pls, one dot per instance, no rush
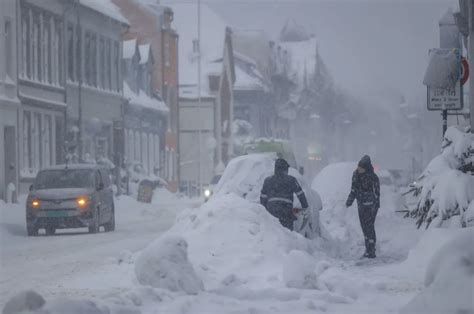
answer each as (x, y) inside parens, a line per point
(348, 203)
(305, 212)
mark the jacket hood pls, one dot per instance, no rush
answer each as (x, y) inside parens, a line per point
(366, 163)
(281, 166)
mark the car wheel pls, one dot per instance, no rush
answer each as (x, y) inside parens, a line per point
(110, 226)
(50, 231)
(94, 227)
(32, 231)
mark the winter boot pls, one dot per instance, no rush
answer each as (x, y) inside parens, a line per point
(371, 250)
(365, 255)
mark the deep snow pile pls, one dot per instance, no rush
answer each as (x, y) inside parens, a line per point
(165, 264)
(443, 191)
(231, 242)
(342, 224)
(449, 280)
(244, 176)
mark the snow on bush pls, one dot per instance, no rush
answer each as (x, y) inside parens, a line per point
(445, 188)
(164, 264)
(233, 241)
(449, 279)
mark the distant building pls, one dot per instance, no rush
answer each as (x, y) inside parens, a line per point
(145, 112)
(9, 102)
(152, 24)
(206, 114)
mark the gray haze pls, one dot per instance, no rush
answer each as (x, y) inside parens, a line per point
(368, 45)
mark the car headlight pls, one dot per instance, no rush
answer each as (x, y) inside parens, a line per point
(82, 201)
(207, 193)
(35, 203)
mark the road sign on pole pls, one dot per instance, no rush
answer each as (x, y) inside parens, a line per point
(445, 99)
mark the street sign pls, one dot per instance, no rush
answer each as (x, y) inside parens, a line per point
(445, 99)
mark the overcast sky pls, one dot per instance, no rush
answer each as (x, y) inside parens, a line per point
(368, 45)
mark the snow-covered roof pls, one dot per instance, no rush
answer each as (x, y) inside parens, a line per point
(247, 76)
(144, 53)
(107, 8)
(143, 100)
(303, 58)
(212, 45)
(129, 48)
(293, 32)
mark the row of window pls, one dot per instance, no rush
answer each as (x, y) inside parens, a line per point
(8, 46)
(143, 148)
(41, 38)
(38, 140)
(100, 56)
(42, 43)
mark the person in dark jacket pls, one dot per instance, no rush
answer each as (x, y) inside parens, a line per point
(366, 190)
(277, 194)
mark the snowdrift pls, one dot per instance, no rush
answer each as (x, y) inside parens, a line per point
(342, 224)
(449, 279)
(165, 264)
(244, 176)
(233, 242)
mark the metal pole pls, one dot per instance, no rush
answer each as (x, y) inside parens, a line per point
(445, 120)
(199, 99)
(79, 77)
(470, 16)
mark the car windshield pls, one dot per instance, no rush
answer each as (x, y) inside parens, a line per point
(63, 179)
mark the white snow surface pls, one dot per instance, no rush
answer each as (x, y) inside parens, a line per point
(165, 264)
(107, 8)
(143, 100)
(247, 262)
(449, 281)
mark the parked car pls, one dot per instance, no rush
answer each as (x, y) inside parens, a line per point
(70, 196)
(209, 190)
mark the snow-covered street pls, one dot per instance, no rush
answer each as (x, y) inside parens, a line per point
(74, 263)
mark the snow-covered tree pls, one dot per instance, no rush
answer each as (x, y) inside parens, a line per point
(446, 187)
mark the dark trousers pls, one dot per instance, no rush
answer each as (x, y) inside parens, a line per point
(367, 222)
(283, 213)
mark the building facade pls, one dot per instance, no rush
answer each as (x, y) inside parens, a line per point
(152, 24)
(145, 112)
(41, 86)
(94, 84)
(9, 102)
